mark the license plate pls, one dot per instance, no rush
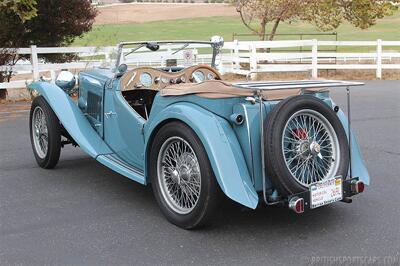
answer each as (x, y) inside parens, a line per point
(326, 192)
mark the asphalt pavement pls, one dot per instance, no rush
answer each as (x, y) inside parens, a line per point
(82, 213)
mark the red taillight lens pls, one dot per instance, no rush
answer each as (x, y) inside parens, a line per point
(358, 187)
(297, 204)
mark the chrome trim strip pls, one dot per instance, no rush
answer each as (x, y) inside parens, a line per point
(250, 143)
(115, 159)
(349, 126)
(260, 100)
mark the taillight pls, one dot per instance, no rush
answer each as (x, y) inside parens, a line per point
(357, 187)
(296, 204)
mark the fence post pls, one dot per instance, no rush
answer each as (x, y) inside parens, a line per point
(236, 53)
(53, 76)
(379, 59)
(314, 63)
(34, 62)
(253, 60)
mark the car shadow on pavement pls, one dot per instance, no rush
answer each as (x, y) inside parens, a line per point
(231, 216)
(271, 218)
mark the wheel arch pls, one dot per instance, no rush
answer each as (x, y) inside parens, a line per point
(72, 118)
(224, 152)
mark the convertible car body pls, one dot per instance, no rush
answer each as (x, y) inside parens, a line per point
(192, 136)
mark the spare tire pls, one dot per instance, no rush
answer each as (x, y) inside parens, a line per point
(304, 143)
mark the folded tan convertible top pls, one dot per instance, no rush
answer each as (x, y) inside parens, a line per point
(220, 89)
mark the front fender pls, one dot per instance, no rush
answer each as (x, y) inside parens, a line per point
(221, 145)
(71, 118)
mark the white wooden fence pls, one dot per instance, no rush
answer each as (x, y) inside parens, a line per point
(240, 57)
(248, 53)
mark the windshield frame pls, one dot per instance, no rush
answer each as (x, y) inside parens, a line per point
(216, 46)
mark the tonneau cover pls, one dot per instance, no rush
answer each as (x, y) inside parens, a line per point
(220, 89)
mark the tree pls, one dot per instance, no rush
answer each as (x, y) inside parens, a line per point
(325, 14)
(57, 23)
(25, 9)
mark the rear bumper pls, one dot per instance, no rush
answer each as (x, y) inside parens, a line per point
(302, 201)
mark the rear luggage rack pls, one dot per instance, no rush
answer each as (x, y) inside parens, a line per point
(296, 84)
(258, 87)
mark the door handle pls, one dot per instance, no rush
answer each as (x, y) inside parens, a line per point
(109, 114)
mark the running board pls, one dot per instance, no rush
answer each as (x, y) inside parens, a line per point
(115, 163)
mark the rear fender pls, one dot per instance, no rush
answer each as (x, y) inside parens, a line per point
(221, 145)
(358, 168)
(72, 118)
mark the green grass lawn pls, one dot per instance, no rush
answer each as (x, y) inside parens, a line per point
(204, 28)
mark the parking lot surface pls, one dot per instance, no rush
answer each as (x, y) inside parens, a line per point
(82, 213)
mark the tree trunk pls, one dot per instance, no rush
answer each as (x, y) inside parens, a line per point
(263, 25)
(273, 31)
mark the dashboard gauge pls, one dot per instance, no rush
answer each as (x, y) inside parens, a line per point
(164, 80)
(198, 76)
(210, 76)
(146, 79)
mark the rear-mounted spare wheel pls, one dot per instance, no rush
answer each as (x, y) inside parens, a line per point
(304, 143)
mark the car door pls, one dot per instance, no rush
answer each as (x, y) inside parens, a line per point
(123, 128)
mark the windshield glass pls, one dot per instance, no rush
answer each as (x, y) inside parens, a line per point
(163, 54)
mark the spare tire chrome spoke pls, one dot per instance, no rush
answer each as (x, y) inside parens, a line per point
(310, 146)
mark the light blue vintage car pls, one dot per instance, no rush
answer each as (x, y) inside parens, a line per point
(194, 137)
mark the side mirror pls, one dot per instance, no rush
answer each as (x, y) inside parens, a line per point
(152, 46)
(66, 81)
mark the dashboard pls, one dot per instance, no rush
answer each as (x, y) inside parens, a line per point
(155, 79)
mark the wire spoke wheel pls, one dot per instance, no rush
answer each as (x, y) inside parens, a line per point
(310, 147)
(179, 175)
(40, 132)
(182, 178)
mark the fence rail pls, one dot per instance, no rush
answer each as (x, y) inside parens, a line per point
(239, 57)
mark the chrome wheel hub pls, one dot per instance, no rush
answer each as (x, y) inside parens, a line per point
(40, 132)
(306, 149)
(179, 175)
(310, 147)
(315, 148)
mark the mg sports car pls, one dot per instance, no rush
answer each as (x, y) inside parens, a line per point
(175, 124)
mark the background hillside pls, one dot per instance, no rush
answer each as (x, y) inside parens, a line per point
(170, 21)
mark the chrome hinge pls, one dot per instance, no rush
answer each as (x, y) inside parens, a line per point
(142, 130)
(109, 114)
